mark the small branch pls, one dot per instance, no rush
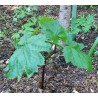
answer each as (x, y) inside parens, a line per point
(55, 44)
(7, 23)
(43, 74)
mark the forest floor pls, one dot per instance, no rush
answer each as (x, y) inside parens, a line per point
(58, 79)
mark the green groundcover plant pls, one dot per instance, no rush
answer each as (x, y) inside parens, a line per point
(23, 12)
(28, 56)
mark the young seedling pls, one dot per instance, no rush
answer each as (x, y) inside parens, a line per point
(28, 57)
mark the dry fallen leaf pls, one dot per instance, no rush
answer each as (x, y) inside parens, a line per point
(97, 72)
(7, 61)
(75, 91)
(92, 91)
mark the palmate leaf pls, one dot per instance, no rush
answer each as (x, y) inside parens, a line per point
(90, 19)
(52, 29)
(27, 58)
(77, 57)
(51, 24)
(75, 45)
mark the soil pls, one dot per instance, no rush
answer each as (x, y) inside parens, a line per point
(59, 76)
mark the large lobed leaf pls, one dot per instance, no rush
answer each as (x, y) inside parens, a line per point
(51, 24)
(77, 57)
(52, 29)
(27, 57)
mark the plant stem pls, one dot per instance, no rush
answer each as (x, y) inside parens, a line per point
(93, 47)
(43, 70)
(35, 32)
(43, 74)
(55, 44)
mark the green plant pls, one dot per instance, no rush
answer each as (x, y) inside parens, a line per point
(38, 36)
(27, 56)
(31, 23)
(22, 12)
(91, 7)
(82, 24)
(29, 26)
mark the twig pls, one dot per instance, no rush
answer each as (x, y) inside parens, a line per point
(43, 74)
(55, 44)
(7, 23)
(9, 28)
(43, 69)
